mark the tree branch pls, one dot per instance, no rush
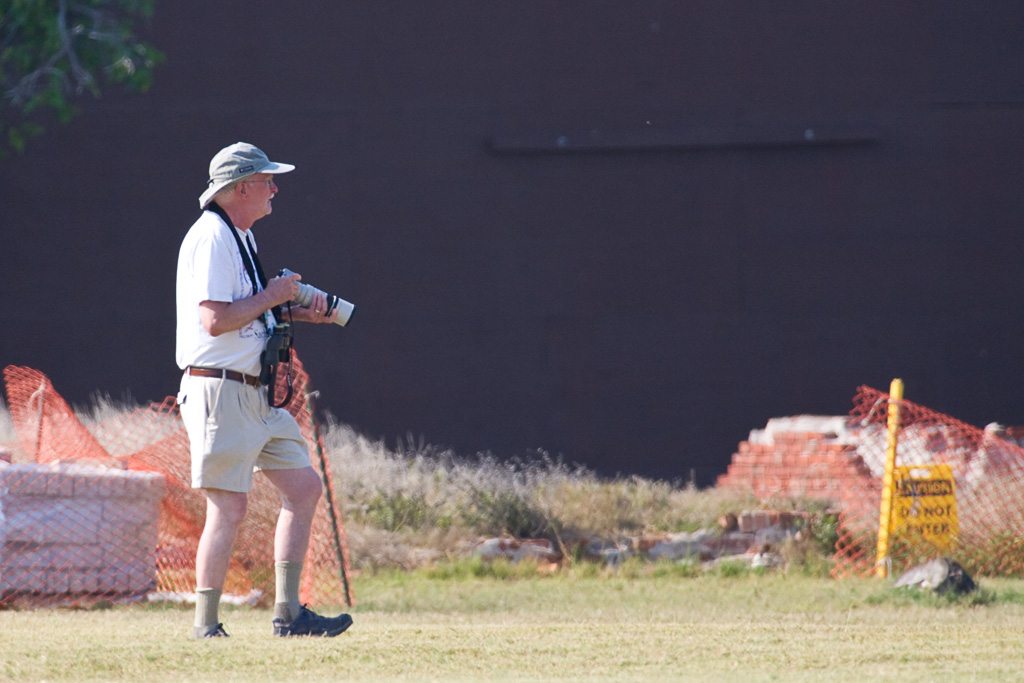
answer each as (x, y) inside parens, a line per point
(82, 77)
(52, 50)
(102, 30)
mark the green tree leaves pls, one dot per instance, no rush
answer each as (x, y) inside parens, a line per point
(52, 51)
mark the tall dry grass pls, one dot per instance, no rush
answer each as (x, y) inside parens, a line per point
(419, 503)
(415, 504)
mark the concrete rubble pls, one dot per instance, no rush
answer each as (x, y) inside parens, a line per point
(536, 549)
(751, 536)
(941, 575)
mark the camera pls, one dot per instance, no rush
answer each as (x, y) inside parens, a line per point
(277, 350)
(305, 298)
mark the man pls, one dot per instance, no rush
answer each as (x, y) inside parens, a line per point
(225, 308)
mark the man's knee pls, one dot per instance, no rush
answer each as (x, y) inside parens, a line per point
(313, 487)
(299, 488)
(226, 508)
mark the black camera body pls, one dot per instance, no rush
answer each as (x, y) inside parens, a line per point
(277, 350)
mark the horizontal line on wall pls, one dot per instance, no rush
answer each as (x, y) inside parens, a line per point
(979, 104)
(680, 139)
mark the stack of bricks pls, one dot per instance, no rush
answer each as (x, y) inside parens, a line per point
(69, 531)
(809, 464)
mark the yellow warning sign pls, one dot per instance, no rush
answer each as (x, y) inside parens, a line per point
(924, 502)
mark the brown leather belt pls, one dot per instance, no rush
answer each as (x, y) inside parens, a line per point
(224, 374)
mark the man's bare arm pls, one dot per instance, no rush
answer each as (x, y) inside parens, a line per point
(219, 317)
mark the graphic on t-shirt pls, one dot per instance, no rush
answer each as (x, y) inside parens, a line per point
(254, 330)
(257, 329)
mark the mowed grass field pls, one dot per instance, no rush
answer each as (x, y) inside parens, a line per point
(573, 625)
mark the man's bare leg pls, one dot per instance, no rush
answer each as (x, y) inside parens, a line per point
(225, 512)
(300, 492)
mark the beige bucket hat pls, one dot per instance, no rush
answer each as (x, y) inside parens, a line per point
(234, 163)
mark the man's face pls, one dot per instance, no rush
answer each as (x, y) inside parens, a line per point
(260, 190)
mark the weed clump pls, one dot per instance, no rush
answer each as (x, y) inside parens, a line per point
(418, 504)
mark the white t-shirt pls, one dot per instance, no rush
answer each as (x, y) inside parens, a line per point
(210, 268)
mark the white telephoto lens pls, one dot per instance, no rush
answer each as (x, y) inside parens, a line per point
(345, 309)
(305, 298)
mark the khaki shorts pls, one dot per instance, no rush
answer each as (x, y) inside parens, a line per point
(232, 432)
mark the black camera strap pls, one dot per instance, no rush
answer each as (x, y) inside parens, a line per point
(269, 369)
(254, 272)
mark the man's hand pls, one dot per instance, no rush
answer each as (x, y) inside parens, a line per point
(283, 289)
(316, 312)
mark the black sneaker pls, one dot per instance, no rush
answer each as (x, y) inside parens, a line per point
(215, 631)
(309, 623)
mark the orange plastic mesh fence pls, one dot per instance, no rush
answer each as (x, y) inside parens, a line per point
(108, 512)
(987, 469)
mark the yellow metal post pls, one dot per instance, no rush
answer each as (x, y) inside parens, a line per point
(885, 518)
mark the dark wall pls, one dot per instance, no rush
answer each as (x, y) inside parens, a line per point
(625, 232)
